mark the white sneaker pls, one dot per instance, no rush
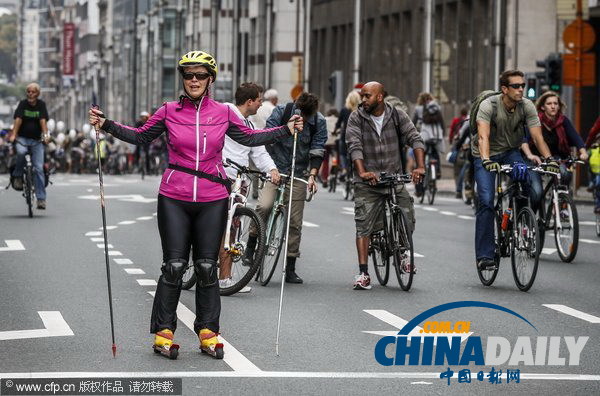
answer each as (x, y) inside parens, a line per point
(362, 281)
(228, 282)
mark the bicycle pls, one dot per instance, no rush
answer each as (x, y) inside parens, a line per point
(395, 239)
(275, 227)
(515, 236)
(429, 183)
(560, 215)
(349, 185)
(28, 183)
(240, 219)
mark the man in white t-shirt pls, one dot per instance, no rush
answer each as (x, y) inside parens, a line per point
(247, 101)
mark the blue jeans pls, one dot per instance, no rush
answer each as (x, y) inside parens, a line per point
(486, 191)
(37, 159)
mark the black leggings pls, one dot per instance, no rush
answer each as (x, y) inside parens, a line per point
(183, 225)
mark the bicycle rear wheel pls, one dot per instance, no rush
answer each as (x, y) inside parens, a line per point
(274, 245)
(488, 276)
(524, 254)
(381, 260)
(431, 190)
(566, 229)
(404, 256)
(244, 219)
(28, 189)
(598, 225)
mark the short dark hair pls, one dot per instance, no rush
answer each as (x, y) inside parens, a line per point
(509, 73)
(247, 91)
(307, 103)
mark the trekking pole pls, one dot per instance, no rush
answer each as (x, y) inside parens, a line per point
(112, 324)
(287, 234)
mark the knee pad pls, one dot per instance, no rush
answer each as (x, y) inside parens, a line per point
(173, 270)
(206, 272)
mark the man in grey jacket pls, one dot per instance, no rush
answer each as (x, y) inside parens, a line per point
(374, 142)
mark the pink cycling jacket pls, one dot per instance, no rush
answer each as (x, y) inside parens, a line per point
(195, 136)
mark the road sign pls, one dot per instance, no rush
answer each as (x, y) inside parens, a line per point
(588, 69)
(571, 36)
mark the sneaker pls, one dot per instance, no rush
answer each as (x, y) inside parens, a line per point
(405, 264)
(362, 282)
(486, 264)
(41, 204)
(17, 183)
(228, 282)
(292, 277)
(458, 195)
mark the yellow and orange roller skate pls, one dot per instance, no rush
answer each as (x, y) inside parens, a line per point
(209, 343)
(163, 344)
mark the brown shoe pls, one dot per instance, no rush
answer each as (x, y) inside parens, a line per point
(41, 204)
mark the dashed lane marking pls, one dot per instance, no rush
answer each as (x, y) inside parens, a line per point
(145, 218)
(101, 246)
(123, 261)
(466, 217)
(238, 362)
(96, 239)
(54, 326)
(589, 241)
(114, 253)
(308, 224)
(146, 282)
(93, 233)
(108, 228)
(430, 209)
(447, 213)
(127, 222)
(573, 312)
(134, 271)
(12, 245)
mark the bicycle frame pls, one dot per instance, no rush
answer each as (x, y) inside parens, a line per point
(236, 199)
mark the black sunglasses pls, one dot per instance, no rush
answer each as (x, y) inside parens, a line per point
(517, 86)
(199, 76)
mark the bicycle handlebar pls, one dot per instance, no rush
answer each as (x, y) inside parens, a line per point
(385, 178)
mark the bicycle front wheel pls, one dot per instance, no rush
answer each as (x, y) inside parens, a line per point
(378, 251)
(566, 228)
(244, 219)
(274, 245)
(189, 276)
(598, 225)
(488, 275)
(431, 190)
(404, 255)
(29, 190)
(524, 254)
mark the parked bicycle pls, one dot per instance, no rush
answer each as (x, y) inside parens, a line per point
(275, 230)
(516, 233)
(395, 239)
(560, 215)
(240, 219)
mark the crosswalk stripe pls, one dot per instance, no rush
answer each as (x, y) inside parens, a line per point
(589, 241)
(134, 271)
(573, 312)
(123, 261)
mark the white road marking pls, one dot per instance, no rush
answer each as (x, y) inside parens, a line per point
(430, 209)
(122, 261)
(101, 246)
(548, 251)
(418, 254)
(127, 222)
(278, 374)
(144, 218)
(114, 253)
(134, 271)
(399, 323)
(154, 214)
(587, 223)
(421, 383)
(589, 241)
(573, 312)
(308, 224)
(238, 362)
(89, 190)
(93, 233)
(146, 282)
(466, 217)
(97, 239)
(12, 245)
(54, 326)
(108, 228)
(447, 213)
(126, 198)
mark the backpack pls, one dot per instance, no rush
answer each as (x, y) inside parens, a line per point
(594, 160)
(483, 95)
(287, 114)
(431, 116)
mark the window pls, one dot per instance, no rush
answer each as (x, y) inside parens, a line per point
(168, 83)
(169, 31)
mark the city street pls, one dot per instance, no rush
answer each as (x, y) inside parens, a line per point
(56, 320)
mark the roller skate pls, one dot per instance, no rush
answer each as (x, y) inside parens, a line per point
(209, 343)
(163, 344)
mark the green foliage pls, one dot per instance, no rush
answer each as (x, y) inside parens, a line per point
(8, 45)
(17, 91)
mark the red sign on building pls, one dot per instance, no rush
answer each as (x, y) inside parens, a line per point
(69, 50)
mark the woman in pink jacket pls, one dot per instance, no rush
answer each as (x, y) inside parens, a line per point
(192, 199)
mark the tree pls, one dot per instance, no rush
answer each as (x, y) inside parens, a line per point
(8, 45)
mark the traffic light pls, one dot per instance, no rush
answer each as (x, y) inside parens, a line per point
(554, 70)
(542, 76)
(532, 89)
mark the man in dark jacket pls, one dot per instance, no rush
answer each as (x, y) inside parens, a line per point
(375, 135)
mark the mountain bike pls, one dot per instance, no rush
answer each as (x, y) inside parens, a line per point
(240, 220)
(395, 239)
(560, 215)
(516, 234)
(276, 227)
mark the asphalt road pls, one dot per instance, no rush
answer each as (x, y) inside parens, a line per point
(53, 277)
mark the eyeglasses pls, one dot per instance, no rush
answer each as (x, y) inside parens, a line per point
(199, 76)
(517, 86)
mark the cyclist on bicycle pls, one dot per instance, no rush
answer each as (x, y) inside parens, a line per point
(247, 101)
(192, 200)
(375, 135)
(592, 143)
(29, 128)
(501, 121)
(559, 134)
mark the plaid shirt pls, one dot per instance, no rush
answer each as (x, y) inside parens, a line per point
(380, 153)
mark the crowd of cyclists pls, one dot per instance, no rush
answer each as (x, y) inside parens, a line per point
(188, 140)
